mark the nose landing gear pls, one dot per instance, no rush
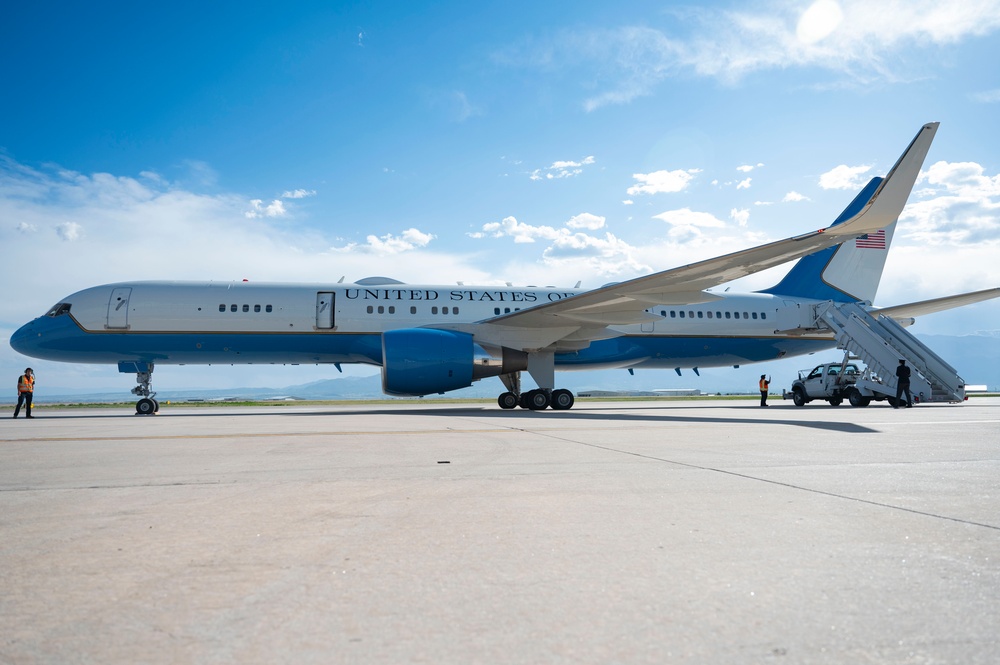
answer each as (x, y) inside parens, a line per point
(146, 406)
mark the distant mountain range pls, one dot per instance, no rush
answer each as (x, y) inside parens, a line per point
(975, 357)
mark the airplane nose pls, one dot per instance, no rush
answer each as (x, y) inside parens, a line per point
(24, 337)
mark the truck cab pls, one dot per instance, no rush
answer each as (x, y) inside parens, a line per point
(832, 382)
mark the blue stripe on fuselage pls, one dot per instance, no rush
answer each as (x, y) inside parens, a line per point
(61, 338)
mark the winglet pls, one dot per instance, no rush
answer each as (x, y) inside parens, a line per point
(888, 201)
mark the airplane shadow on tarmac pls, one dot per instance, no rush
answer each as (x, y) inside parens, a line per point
(604, 414)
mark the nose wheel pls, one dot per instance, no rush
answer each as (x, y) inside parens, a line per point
(146, 406)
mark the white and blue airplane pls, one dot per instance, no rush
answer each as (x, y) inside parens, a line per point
(433, 339)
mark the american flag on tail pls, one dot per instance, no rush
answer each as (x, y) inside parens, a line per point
(871, 240)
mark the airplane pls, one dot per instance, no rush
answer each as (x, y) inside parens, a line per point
(431, 339)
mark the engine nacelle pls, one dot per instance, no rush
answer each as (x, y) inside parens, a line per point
(422, 361)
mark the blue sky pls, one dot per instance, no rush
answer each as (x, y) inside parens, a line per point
(533, 143)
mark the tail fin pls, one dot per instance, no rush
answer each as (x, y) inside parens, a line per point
(851, 271)
(848, 272)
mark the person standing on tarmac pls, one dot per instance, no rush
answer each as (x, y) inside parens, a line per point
(764, 383)
(25, 390)
(903, 384)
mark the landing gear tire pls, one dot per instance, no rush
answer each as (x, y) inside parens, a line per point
(562, 399)
(507, 400)
(146, 407)
(836, 401)
(536, 400)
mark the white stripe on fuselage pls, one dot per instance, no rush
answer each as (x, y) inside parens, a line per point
(242, 307)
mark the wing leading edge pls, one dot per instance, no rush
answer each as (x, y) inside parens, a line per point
(587, 315)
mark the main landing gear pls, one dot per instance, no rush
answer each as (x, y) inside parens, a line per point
(535, 400)
(146, 406)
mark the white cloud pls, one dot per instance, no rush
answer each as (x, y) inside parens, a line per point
(740, 215)
(686, 223)
(659, 182)
(562, 169)
(69, 231)
(747, 168)
(854, 41)
(298, 193)
(275, 208)
(744, 184)
(585, 220)
(572, 250)
(819, 21)
(389, 244)
(844, 177)
(794, 196)
(986, 96)
(962, 207)
(23, 227)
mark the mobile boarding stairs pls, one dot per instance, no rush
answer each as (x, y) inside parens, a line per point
(881, 343)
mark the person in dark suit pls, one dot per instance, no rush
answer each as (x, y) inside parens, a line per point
(903, 384)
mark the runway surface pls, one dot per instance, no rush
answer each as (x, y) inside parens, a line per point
(618, 532)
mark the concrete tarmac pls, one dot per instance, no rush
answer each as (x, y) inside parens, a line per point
(618, 532)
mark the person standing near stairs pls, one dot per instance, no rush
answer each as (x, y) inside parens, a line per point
(903, 384)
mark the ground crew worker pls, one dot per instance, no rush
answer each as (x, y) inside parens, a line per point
(764, 383)
(903, 385)
(25, 390)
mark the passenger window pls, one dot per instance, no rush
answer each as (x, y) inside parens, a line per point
(745, 315)
(754, 315)
(371, 310)
(682, 313)
(381, 309)
(763, 315)
(496, 311)
(727, 315)
(222, 307)
(413, 310)
(267, 309)
(232, 308)
(434, 310)
(701, 315)
(246, 308)
(444, 310)
(256, 308)
(709, 315)
(673, 314)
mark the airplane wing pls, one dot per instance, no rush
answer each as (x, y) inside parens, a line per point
(587, 315)
(924, 307)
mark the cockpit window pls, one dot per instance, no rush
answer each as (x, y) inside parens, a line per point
(59, 310)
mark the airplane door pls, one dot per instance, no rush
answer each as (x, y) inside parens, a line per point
(324, 310)
(118, 308)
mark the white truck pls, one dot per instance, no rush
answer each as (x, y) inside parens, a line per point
(835, 382)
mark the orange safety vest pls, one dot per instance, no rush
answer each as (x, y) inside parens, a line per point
(26, 384)
(763, 385)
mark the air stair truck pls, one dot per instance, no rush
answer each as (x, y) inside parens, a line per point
(880, 342)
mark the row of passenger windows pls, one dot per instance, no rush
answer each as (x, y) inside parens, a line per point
(690, 314)
(391, 309)
(246, 308)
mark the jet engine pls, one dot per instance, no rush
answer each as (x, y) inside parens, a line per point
(422, 361)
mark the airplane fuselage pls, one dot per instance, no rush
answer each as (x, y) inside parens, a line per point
(249, 323)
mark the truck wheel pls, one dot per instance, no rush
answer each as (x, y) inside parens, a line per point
(798, 396)
(835, 401)
(857, 399)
